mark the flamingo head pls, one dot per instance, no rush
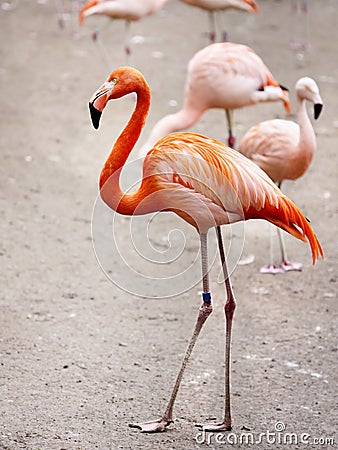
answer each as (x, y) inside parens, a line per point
(307, 89)
(121, 82)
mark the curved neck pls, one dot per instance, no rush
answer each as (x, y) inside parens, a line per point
(110, 190)
(307, 138)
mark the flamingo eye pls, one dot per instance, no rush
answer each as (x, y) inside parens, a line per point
(110, 84)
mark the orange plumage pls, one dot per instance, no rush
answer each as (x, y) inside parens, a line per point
(203, 181)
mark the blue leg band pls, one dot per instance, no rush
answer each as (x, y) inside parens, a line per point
(206, 297)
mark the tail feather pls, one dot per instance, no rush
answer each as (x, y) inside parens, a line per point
(270, 81)
(87, 5)
(287, 215)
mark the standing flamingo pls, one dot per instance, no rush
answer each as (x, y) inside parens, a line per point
(207, 184)
(284, 150)
(222, 75)
(213, 6)
(128, 10)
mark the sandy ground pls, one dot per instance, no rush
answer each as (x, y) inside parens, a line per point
(81, 358)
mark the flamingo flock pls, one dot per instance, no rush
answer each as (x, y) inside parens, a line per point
(205, 182)
(134, 10)
(227, 76)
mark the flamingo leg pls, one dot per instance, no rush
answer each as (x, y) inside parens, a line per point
(304, 8)
(127, 47)
(224, 32)
(60, 10)
(229, 309)
(212, 27)
(230, 120)
(299, 7)
(271, 267)
(96, 36)
(204, 312)
(286, 265)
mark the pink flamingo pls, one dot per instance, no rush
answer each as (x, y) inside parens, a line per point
(213, 6)
(284, 150)
(128, 10)
(207, 184)
(222, 75)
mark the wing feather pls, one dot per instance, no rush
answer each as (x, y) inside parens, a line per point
(227, 181)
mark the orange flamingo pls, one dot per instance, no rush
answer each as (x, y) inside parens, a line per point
(128, 10)
(222, 75)
(207, 184)
(284, 150)
(213, 6)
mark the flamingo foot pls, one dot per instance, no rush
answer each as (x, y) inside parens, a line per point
(212, 37)
(299, 46)
(231, 141)
(271, 268)
(154, 426)
(288, 266)
(223, 426)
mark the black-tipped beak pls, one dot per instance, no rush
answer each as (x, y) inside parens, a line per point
(284, 88)
(95, 115)
(317, 110)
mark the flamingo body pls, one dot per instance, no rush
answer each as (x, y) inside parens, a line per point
(204, 182)
(221, 5)
(272, 145)
(214, 6)
(222, 75)
(282, 148)
(130, 10)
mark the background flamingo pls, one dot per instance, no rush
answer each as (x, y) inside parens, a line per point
(128, 10)
(284, 150)
(213, 6)
(222, 75)
(300, 25)
(207, 184)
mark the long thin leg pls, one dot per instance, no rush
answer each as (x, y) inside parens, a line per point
(212, 27)
(304, 9)
(229, 309)
(229, 117)
(271, 267)
(204, 312)
(300, 31)
(225, 35)
(60, 10)
(286, 265)
(127, 46)
(96, 36)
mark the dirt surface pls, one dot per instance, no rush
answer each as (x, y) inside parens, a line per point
(81, 358)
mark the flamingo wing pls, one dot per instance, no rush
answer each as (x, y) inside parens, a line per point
(190, 167)
(230, 76)
(132, 10)
(273, 146)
